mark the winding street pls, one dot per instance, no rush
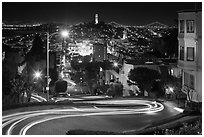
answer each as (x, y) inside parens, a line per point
(117, 115)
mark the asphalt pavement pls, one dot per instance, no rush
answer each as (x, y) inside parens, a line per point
(115, 115)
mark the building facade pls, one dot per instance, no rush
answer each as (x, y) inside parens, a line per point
(190, 53)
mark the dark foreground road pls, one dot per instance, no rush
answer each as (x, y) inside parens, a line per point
(105, 115)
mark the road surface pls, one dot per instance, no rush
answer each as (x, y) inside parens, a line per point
(117, 115)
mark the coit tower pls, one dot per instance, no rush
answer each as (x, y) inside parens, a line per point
(96, 18)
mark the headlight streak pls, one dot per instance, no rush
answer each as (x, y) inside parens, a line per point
(36, 99)
(39, 97)
(13, 117)
(9, 131)
(27, 127)
(148, 108)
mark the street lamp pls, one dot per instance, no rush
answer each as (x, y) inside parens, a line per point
(37, 74)
(115, 64)
(64, 34)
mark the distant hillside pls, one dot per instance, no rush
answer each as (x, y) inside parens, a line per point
(114, 30)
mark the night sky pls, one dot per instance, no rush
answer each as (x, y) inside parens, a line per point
(127, 13)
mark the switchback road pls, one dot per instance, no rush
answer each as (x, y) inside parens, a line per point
(116, 115)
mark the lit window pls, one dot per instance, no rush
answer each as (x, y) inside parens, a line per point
(190, 53)
(181, 53)
(181, 26)
(190, 26)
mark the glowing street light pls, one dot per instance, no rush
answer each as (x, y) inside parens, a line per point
(37, 74)
(115, 64)
(65, 33)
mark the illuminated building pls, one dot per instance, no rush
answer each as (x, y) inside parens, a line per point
(190, 53)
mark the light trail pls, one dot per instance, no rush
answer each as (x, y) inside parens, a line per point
(38, 100)
(10, 122)
(39, 97)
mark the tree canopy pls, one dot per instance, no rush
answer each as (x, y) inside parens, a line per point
(143, 77)
(60, 86)
(37, 47)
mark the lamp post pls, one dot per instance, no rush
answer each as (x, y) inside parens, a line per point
(64, 34)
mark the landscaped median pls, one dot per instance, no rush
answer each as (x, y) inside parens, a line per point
(88, 132)
(183, 124)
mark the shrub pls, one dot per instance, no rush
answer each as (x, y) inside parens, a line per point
(186, 129)
(115, 90)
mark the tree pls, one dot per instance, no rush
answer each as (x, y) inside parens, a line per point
(157, 89)
(91, 71)
(12, 82)
(115, 89)
(158, 46)
(37, 48)
(143, 77)
(166, 45)
(35, 58)
(60, 86)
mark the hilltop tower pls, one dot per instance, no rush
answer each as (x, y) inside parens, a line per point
(124, 35)
(96, 18)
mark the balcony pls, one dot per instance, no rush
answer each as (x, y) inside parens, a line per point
(187, 65)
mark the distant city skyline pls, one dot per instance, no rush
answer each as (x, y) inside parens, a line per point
(126, 13)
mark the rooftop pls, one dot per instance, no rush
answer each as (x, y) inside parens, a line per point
(190, 10)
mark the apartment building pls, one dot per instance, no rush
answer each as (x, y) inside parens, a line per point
(190, 53)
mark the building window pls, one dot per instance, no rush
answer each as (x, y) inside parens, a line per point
(190, 53)
(181, 53)
(191, 81)
(181, 26)
(190, 26)
(185, 79)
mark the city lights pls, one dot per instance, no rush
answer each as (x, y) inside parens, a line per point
(75, 72)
